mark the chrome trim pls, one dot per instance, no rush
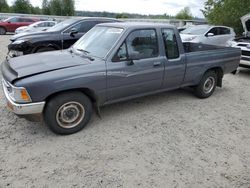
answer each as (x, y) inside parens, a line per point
(9, 85)
(23, 109)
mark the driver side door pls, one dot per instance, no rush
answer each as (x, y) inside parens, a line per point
(137, 67)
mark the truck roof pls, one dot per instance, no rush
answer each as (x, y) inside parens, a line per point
(136, 25)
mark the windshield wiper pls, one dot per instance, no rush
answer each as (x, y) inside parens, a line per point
(86, 52)
(82, 50)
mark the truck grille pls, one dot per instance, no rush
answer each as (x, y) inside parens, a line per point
(245, 53)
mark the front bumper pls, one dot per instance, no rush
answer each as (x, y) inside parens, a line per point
(245, 62)
(22, 109)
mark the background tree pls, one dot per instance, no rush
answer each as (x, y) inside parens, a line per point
(56, 7)
(122, 15)
(46, 7)
(4, 7)
(22, 6)
(68, 7)
(184, 14)
(226, 12)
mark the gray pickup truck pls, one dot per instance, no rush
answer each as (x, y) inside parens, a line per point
(113, 62)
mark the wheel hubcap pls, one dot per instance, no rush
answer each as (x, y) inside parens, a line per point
(70, 114)
(209, 85)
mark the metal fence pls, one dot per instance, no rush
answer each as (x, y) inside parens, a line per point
(176, 22)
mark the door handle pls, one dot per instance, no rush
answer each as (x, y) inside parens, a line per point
(156, 64)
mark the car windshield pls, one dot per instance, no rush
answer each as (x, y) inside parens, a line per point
(62, 25)
(98, 41)
(196, 30)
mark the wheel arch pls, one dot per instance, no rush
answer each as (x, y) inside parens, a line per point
(219, 72)
(88, 92)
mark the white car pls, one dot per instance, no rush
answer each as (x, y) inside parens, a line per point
(37, 26)
(207, 34)
(243, 42)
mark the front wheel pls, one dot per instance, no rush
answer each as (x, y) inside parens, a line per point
(68, 113)
(207, 85)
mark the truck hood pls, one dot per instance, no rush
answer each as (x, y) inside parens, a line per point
(31, 35)
(33, 64)
(246, 24)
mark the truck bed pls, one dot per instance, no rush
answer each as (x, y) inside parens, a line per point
(201, 57)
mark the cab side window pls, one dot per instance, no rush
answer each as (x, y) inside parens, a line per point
(140, 44)
(170, 43)
(224, 31)
(143, 44)
(214, 31)
(121, 54)
(86, 26)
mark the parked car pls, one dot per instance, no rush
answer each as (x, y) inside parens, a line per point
(113, 62)
(243, 42)
(37, 26)
(207, 34)
(61, 36)
(12, 23)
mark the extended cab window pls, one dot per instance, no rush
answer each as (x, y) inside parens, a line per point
(140, 44)
(170, 43)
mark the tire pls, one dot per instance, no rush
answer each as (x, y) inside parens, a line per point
(68, 113)
(207, 85)
(45, 49)
(2, 31)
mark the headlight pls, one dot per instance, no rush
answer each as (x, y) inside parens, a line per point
(231, 44)
(20, 95)
(19, 41)
(17, 94)
(189, 39)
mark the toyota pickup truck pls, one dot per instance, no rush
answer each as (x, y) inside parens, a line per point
(112, 62)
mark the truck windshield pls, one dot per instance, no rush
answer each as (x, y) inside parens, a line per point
(62, 25)
(98, 41)
(196, 30)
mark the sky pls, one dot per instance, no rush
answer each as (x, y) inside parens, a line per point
(136, 6)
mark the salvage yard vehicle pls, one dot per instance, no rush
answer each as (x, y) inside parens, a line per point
(61, 36)
(12, 23)
(207, 34)
(35, 27)
(243, 42)
(113, 62)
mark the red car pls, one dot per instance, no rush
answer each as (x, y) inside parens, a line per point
(12, 23)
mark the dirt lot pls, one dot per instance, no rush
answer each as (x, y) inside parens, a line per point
(167, 140)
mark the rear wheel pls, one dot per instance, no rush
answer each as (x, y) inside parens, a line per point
(207, 85)
(45, 49)
(68, 113)
(2, 31)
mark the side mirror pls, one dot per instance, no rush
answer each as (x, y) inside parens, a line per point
(35, 26)
(210, 35)
(73, 31)
(134, 55)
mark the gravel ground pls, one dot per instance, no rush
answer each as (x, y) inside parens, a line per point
(167, 140)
